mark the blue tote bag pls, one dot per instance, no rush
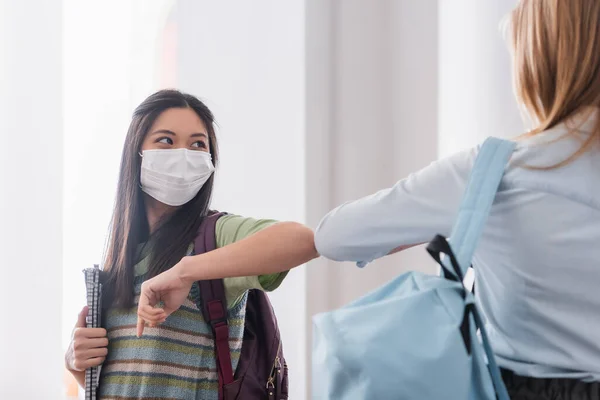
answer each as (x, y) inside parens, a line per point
(417, 337)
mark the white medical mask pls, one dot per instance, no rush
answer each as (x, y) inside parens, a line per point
(175, 176)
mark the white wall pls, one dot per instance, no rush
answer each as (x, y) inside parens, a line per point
(249, 67)
(31, 361)
(476, 93)
(371, 104)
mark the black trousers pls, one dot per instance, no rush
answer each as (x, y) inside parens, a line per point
(524, 388)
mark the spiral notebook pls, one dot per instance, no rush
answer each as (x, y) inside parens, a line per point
(93, 320)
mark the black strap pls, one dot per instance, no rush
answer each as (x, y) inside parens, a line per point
(438, 246)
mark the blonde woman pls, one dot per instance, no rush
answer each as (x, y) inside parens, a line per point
(538, 262)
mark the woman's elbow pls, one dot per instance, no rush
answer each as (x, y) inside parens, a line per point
(304, 239)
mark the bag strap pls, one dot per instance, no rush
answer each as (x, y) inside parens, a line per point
(437, 248)
(214, 302)
(499, 385)
(479, 196)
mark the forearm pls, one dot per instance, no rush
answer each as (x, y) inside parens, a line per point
(402, 248)
(278, 248)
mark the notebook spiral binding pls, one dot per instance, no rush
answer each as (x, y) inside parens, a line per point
(93, 320)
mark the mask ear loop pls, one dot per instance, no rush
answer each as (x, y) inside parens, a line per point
(141, 156)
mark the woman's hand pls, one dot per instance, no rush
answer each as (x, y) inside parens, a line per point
(168, 288)
(88, 346)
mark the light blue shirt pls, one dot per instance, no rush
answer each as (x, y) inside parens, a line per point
(537, 267)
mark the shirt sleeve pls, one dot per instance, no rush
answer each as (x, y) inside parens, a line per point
(411, 212)
(231, 229)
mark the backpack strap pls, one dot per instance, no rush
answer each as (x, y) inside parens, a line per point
(214, 303)
(479, 196)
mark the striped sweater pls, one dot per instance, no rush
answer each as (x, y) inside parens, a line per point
(173, 361)
(177, 359)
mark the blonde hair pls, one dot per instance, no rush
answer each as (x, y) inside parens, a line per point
(556, 46)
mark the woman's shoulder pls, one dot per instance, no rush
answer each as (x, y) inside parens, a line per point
(549, 149)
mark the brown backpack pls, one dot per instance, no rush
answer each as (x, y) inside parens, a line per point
(262, 371)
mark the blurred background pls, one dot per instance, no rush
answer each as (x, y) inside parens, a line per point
(317, 101)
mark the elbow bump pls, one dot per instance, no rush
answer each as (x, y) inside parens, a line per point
(304, 235)
(328, 245)
(308, 236)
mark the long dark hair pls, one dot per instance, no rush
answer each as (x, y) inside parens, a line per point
(129, 226)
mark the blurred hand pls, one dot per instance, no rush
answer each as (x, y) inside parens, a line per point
(168, 288)
(88, 346)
